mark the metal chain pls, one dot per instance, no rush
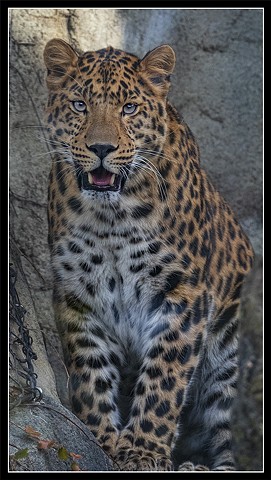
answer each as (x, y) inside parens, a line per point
(22, 366)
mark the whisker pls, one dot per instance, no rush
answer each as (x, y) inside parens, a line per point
(50, 152)
(63, 172)
(161, 183)
(156, 171)
(51, 141)
(141, 166)
(155, 154)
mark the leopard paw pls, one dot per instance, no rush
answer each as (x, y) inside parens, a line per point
(188, 466)
(139, 460)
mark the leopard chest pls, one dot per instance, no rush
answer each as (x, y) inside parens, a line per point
(111, 275)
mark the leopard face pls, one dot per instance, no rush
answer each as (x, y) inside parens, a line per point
(106, 109)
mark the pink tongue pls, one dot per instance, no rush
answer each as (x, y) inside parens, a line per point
(101, 180)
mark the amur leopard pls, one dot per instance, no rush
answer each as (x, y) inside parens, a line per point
(148, 262)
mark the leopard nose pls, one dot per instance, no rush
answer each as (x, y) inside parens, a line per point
(101, 149)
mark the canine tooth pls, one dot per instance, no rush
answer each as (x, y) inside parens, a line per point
(90, 178)
(112, 179)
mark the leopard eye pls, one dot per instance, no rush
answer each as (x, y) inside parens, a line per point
(129, 108)
(79, 106)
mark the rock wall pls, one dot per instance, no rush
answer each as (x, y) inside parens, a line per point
(217, 86)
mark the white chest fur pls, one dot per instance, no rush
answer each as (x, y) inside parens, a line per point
(108, 276)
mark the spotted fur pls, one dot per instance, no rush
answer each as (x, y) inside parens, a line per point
(148, 262)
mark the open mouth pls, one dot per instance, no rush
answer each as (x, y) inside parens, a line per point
(100, 180)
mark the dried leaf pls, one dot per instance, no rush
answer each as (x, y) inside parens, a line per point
(31, 432)
(63, 454)
(21, 454)
(75, 455)
(45, 444)
(75, 467)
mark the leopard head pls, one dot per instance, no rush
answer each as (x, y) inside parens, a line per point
(107, 112)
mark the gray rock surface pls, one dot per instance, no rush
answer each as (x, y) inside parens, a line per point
(217, 87)
(53, 422)
(247, 418)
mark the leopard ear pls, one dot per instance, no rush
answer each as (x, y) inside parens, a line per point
(60, 59)
(157, 66)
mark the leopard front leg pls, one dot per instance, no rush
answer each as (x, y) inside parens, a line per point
(92, 357)
(171, 356)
